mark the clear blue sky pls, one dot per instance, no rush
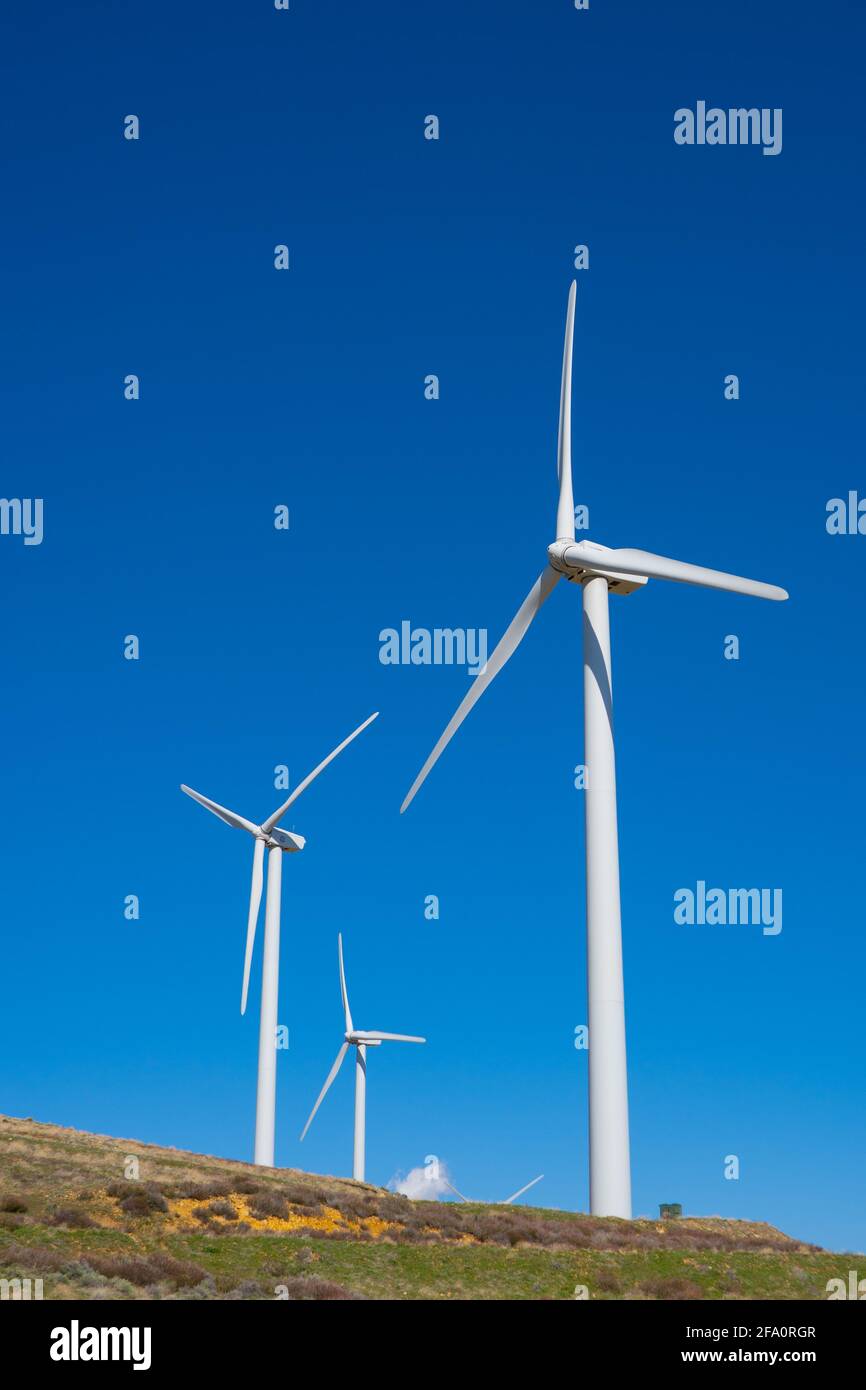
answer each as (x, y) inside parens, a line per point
(259, 647)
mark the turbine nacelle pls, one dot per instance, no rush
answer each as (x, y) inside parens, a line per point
(582, 560)
(359, 1040)
(285, 840)
(268, 836)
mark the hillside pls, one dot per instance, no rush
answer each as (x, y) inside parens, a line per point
(189, 1226)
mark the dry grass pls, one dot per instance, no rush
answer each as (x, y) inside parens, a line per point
(184, 1191)
(69, 1205)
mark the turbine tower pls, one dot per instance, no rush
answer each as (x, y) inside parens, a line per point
(360, 1039)
(278, 843)
(599, 571)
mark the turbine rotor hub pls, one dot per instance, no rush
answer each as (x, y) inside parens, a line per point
(581, 560)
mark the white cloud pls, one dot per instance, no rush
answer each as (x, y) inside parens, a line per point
(426, 1184)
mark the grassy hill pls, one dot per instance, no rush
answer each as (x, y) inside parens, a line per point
(116, 1219)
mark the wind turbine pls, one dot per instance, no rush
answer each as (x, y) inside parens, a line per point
(360, 1039)
(506, 1202)
(598, 570)
(278, 843)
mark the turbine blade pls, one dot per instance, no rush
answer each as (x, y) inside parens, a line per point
(324, 1091)
(271, 821)
(230, 817)
(454, 1190)
(565, 508)
(343, 990)
(387, 1037)
(509, 643)
(661, 567)
(515, 1195)
(255, 903)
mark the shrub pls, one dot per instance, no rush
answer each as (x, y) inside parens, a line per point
(70, 1216)
(245, 1185)
(299, 1287)
(265, 1204)
(38, 1259)
(195, 1293)
(203, 1191)
(143, 1202)
(394, 1208)
(671, 1288)
(122, 1189)
(12, 1204)
(155, 1268)
(249, 1288)
(310, 1201)
(223, 1209)
(356, 1205)
(296, 1195)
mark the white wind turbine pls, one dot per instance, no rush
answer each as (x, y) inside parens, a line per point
(360, 1039)
(598, 570)
(506, 1201)
(278, 842)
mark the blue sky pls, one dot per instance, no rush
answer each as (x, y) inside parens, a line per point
(259, 647)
